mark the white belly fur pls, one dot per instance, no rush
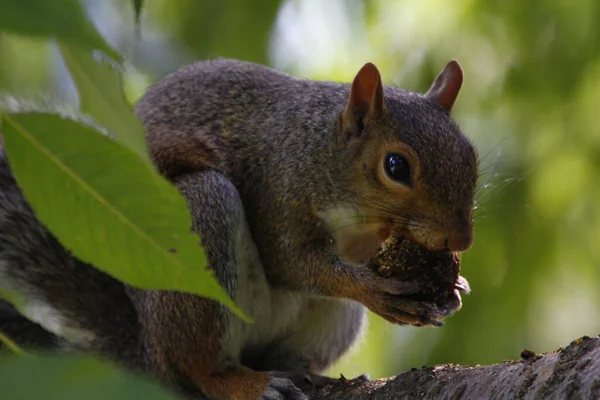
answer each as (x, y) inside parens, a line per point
(272, 310)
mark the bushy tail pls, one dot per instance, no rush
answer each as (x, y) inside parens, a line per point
(69, 299)
(26, 333)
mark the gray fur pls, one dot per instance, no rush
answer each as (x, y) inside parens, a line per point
(257, 155)
(276, 138)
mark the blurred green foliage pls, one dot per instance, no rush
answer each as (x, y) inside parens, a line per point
(73, 378)
(529, 102)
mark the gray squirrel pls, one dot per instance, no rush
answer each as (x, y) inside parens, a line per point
(292, 185)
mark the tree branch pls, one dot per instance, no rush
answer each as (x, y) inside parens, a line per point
(569, 373)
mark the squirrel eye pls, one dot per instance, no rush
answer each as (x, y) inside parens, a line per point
(397, 168)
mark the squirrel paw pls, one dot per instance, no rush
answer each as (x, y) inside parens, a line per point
(395, 307)
(391, 299)
(404, 311)
(283, 389)
(388, 298)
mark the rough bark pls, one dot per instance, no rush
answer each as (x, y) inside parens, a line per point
(569, 373)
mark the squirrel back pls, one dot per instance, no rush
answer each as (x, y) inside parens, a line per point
(284, 140)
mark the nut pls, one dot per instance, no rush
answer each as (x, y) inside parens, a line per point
(436, 272)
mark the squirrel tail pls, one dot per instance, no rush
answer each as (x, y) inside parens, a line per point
(25, 333)
(62, 301)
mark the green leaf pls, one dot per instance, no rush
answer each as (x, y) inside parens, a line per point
(61, 19)
(101, 96)
(72, 378)
(105, 205)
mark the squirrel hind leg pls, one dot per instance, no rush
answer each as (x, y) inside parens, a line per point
(245, 384)
(194, 342)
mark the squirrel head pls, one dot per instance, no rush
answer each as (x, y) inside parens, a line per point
(404, 166)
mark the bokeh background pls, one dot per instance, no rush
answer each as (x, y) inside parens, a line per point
(530, 102)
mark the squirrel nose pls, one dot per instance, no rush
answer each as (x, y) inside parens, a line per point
(460, 239)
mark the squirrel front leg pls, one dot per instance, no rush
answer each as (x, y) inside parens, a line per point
(189, 340)
(320, 271)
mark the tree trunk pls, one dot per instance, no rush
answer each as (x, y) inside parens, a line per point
(569, 373)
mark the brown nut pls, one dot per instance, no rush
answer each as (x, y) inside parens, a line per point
(437, 272)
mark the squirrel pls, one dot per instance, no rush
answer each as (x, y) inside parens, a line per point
(292, 184)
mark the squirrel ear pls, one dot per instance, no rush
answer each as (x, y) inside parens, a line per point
(366, 97)
(446, 86)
